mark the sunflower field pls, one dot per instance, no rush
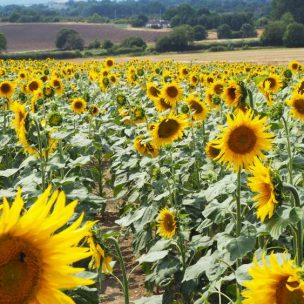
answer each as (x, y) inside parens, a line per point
(205, 163)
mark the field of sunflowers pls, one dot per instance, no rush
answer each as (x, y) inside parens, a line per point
(205, 163)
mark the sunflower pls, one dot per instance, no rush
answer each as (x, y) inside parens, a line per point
(172, 93)
(243, 140)
(56, 83)
(198, 108)
(166, 224)
(36, 254)
(232, 94)
(78, 105)
(275, 83)
(161, 105)
(297, 106)
(300, 87)
(93, 110)
(20, 117)
(211, 150)
(262, 183)
(7, 89)
(109, 62)
(152, 91)
(34, 85)
(217, 87)
(168, 129)
(274, 282)
(145, 148)
(295, 66)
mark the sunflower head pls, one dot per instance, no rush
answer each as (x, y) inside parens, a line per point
(166, 223)
(172, 93)
(93, 110)
(243, 140)
(145, 148)
(296, 104)
(78, 105)
(274, 281)
(161, 105)
(7, 89)
(197, 108)
(37, 251)
(55, 119)
(168, 129)
(232, 94)
(211, 150)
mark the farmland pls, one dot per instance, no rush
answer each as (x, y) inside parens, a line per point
(41, 36)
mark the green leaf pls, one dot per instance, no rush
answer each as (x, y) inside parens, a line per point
(150, 300)
(195, 271)
(79, 140)
(8, 172)
(238, 247)
(153, 256)
(80, 161)
(131, 217)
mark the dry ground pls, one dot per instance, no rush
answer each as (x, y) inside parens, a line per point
(41, 36)
(265, 56)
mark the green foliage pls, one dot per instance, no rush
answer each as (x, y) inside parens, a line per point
(294, 7)
(2, 42)
(273, 34)
(248, 30)
(139, 21)
(294, 35)
(200, 32)
(69, 39)
(107, 44)
(134, 41)
(95, 44)
(224, 31)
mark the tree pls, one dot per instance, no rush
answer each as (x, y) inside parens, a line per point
(294, 35)
(107, 44)
(295, 7)
(248, 30)
(134, 41)
(2, 42)
(224, 31)
(69, 39)
(273, 34)
(140, 21)
(200, 32)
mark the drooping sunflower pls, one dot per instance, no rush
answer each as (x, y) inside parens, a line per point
(275, 83)
(274, 281)
(56, 83)
(232, 94)
(145, 148)
(7, 89)
(296, 104)
(36, 254)
(93, 110)
(198, 109)
(172, 93)
(20, 117)
(168, 129)
(78, 105)
(243, 140)
(262, 183)
(166, 224)
(152, 91)
(211, 150)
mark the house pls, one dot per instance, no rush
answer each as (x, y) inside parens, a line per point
(158, 24)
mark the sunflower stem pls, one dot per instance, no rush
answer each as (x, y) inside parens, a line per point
(238, 226)
(288, 150)
(125, 280)
(299, 230)
(250, 99)
(173, 178)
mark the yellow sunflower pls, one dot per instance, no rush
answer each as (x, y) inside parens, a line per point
(161, 105)
(198, 109)
(78, 105)
(295, 66)
(262, 183)
(94, 110)
(36, 253)
(152, 91)
(34, 85)
(217, 87)
(166, 224)
(145, 148)
(172, 93)
(109, 62)
(296, 104)
(168, 129)
(274, 282)
(20, 116)
(275, 83)
(7, 89)
(56, 83)
(243, 140)
(232, 94)
(211, 150)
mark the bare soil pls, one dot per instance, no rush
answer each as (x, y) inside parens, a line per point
(262, 56)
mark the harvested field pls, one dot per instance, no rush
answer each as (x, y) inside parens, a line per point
(267, 56)
(41, 36)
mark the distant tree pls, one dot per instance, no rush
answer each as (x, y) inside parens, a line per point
(134, 42)
(295, 7)
(273, 34)
(107, 44)
(2, 42)
(200, 32)
(95, 44)
(248, 30)
(224, 31)
(294, 35)
(287, 18)
(139, 21)
(69, 39)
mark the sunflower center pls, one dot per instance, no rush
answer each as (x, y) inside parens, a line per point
(168, 128)
(164, 104)
(20, 270)
(301, 88)
(218, 89)
(5, 88)
(172, 91)
(299, 105)
(56, 83)
(285, 296)
(231, 93)
(78, 105)
(214, 152)
(242, 140)
(33, 86)
(154, 92)
(169, 223)
(271, 81)
(196, 107)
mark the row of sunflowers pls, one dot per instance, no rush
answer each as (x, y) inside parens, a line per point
(204, 161)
